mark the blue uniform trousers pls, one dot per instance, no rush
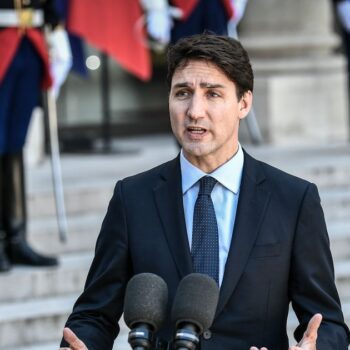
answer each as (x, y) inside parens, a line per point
(20, 92)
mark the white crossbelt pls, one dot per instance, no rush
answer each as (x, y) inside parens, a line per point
(10, 18)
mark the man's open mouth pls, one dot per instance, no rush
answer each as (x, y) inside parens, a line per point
(196, 130)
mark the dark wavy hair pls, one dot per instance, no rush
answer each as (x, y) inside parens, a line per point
(226, 53)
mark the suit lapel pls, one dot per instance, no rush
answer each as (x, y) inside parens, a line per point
(253, 201)
(168, 198)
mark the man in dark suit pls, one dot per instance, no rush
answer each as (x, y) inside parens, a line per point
(273, 247)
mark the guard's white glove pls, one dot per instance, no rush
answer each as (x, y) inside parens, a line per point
(238, 9)
(61, 57)
(159, 19)
(343, 10)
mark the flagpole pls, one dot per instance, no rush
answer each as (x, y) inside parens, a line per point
(106, 105)
(51, 112)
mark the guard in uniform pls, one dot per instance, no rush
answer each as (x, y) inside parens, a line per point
(201, 15)
(24, 72)
(169, 20)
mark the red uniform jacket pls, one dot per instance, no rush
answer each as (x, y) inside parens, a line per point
(10, 38)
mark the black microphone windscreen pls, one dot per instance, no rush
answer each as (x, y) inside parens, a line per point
(146, 299)
(195, 301)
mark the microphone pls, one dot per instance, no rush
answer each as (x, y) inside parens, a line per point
(193, 309)
(145, 304)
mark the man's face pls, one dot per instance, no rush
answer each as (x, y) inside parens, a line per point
(205, 113)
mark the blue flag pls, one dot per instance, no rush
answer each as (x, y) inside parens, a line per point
(76, 43)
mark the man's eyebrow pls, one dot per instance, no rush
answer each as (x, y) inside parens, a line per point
(202, 85)
(181, 85)
(211, 85)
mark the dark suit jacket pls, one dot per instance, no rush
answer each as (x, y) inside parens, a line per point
(279, 254)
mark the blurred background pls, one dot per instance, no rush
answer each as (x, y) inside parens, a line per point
(300, 91)
(113, 122)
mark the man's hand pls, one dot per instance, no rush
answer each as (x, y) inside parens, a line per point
(308, 342)
(74, 342)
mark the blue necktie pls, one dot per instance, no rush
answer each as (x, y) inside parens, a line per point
(205, 236)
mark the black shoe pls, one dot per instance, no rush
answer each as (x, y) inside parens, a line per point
(5, 264)
(21, 253)
(15, 215)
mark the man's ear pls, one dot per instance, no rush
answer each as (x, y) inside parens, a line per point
(245, 104)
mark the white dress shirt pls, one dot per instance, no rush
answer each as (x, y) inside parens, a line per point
(224, 196)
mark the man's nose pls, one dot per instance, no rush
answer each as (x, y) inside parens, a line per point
(196, 107)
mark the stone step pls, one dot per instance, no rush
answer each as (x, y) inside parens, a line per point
(41, 346)
(336, 203)
(342, 276)
(23, 283)
(89, 181)
(33, 321)
(77, 200)
(339, 233)
(88, 215)
(327, 166)
(94, 196)
(25, 325)
(121, 343)
(335, 200)
(83, 229)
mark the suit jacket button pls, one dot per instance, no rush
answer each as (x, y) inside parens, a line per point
(207, 334)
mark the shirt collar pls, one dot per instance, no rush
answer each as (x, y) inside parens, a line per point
(228, 175)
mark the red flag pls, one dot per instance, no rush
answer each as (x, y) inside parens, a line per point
(111, 26)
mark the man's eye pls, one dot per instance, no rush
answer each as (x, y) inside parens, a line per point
(182, 93)
(213, 94)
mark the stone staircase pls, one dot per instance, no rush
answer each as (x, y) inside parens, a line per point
(35, 302)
